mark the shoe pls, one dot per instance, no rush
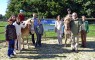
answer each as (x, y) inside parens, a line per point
(65, 45)
(40, 45)
(59, 44)
(13, 55)
(9, 57)
(72, 50)
(83, 46)
(36, 45)
(14, 52)
(76, 51)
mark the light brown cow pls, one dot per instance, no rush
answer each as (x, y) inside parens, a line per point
(25, 31)
(67, 31)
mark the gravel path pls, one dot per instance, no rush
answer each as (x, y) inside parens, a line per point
(51, 50)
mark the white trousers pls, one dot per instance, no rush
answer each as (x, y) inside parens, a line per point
(59, 36)
(74, 42)
(19, 42)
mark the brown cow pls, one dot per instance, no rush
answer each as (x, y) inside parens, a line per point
(25, 31)
(67, 30)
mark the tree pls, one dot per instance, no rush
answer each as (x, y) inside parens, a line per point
(51, 8)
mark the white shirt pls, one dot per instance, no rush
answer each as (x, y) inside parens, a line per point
(58, 25)
(18, 27)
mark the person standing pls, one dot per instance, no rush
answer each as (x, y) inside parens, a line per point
(75, 26)
(33, 27)
(58, 29)
(11, 36)
(40, 31)
(36, 28)
(84, 30)
(18, 26)
(32, 31)
(21, 16)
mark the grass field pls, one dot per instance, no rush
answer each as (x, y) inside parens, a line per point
(48, 33)
(2, 29)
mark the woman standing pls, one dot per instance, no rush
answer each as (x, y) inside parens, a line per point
(58, 29)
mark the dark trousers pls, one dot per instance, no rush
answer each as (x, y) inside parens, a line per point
(83, 38)
(11, 47)
(38, 42)
(32, 36)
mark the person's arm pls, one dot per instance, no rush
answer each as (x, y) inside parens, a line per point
(15, 33)
(55, 26)
(87, 28)
(6, 33)
(42, 29)
(70, 24)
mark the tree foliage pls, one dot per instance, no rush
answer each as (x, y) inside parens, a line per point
(51, 8)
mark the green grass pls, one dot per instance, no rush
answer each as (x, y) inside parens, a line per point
(90, 34)
(2, 23)
(2, 29)
(48, 33)
(91, 30)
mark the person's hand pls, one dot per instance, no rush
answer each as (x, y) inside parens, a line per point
(55, 30)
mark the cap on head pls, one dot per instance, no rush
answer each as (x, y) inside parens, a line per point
(21, 11)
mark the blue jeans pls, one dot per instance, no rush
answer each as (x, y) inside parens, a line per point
(11, 47)
(38, 42)
(39, 39)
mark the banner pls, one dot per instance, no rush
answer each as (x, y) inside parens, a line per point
(48, 24)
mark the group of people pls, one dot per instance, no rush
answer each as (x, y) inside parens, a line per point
(13, 32)
(73, 28)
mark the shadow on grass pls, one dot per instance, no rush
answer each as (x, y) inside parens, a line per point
(42, 56)
(1, 41)
(46, 51)
(91, 45)
(52, 51)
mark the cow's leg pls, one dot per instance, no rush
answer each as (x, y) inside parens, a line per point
(27, 42)
(65, 40)
(70, 38)
(23, 43)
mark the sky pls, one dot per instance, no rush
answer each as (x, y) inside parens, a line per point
(3, 6)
